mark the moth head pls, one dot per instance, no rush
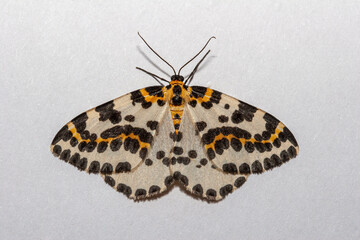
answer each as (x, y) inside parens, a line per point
(177, 78)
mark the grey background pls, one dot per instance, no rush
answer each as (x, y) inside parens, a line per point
(298, 60)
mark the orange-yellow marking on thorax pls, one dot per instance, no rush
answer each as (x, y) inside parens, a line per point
(177, 110)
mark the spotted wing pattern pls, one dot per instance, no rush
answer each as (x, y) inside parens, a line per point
(234, 138)
(144, 141)
(153, 175)
(116, 137)
(192, 167)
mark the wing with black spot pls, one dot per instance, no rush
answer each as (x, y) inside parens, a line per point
(152, 176)
(192, 167)
(116, 138)
(237, 137)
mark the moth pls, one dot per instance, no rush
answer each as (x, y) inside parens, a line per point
(147, 140)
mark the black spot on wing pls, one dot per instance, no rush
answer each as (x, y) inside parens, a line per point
(210, 135)
(109, 180)
(192, 154)
(178, 150)
(211, 153)
(284, 156)
(236, 144)
(107, 112)
(102, 147)
(198, 91)
(82, 146)
(73, 142)
(57, 150)
(143, 153)
(176, 137)
(130, 118)
(215, 97)
(290, 136)
(193, 103)
(85, 135)
(91, 146)
(65, 155)
(82, 164)
(292, 152)
(166, 161)
(230, 168)
(244, 168)
(206, 105)
(154, 189)
(80, 122)
(211, 194)
(152, 124)
(258, 137)
(160, 102)
(148, 162)
(114, 132)
(64, 134)
(106, 168)
(140, 193)
(197, 189)
(260, 147)
(123, 167)
(146, 104)
(160, 154)
(223, 118)
(201, 125)
(226, 190)
(124, 189)
(115, 144)
(137, 97)
(271, 122)
(237, 117)
(266, 135)
(203, 161)
(239, 182)
(131, 145)
(94, 167)
(244, 112)
(168, 181)
(154, 90)
(244, 107)
(256, 167)
(277, 142)
(249, 147)
(221, 145)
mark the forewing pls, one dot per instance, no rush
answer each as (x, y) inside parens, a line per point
(237, 137)
(114, 137)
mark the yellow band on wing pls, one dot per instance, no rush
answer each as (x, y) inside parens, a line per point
(122, 136)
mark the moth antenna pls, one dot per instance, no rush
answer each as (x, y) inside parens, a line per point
(196, 54)
(156, 53)
(156, 77)
(190, 77)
